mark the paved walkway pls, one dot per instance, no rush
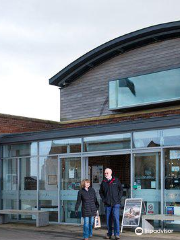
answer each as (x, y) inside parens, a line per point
(13, 231)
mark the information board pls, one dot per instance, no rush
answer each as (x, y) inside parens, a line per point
(132, 212)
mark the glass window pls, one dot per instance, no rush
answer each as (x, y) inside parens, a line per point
(147, 139)
(107, 142)
(48, 185)
(172, 182)
(147, 181)
(10, 174)
(60, 146)
(28, 172)
(171, 137)
(145, 89)
(10, 184)
(17, 150)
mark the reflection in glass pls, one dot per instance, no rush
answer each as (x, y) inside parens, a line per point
(107, 142)
(147, 183)
(171, 137)
(172, 169)
(48, 185)
(28, 185)
(142, 90)
(28, 178)
(172, 183)
(9, 184)
(147, 139)
(17, 150)
(60, 146)
(70, 184)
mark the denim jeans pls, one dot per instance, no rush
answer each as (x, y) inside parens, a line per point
(88, 226)
(112, 213)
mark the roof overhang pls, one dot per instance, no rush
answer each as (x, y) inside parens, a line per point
(113, 48)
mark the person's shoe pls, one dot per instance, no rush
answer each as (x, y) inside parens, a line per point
(85, 238)
(107, 237)
(117, 237)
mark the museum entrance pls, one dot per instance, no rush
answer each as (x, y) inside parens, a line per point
(120, 165)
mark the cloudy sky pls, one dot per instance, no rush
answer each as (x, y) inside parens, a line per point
(40, 37)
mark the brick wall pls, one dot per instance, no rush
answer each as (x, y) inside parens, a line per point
(16, 124)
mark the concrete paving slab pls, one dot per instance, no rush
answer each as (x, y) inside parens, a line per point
(19, 231)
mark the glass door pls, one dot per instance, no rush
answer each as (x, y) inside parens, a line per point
(172, 182)
(146, 180)
(70, 180)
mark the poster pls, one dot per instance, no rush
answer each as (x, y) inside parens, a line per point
(132, 212)
(97, 174)
(71, 173)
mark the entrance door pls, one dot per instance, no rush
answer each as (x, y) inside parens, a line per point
(120, 165)
(146, 180)
(70, 179)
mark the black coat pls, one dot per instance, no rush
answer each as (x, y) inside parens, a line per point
(111, 192)
(89, 202)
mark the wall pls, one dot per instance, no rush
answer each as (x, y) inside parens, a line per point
(15, 124)
(88, 96)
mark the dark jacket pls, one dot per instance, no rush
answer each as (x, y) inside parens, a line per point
(89, 202)
(111, 192)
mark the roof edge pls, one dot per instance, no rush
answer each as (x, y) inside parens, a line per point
(112, 48)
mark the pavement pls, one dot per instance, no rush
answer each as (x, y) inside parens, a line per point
(22, 231)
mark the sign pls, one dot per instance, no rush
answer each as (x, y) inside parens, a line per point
(71, 173)
(150, 208)
(170, 210)
(132, 212)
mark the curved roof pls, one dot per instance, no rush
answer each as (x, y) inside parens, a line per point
(113, 48)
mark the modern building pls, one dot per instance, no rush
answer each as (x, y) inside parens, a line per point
(120, 108)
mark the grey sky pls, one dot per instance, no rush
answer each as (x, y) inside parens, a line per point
(40, 37)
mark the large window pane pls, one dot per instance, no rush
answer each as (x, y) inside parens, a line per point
(60, 146)
(171, 137)
(70, 184)
(147, 184)
(16, 150)
(107, 142)
(9, 183)
(146, 89)
(48, 184)
(172, 182)
(147, 139)
(28, 185)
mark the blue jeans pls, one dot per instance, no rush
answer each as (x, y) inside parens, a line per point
(112, 213)
(88, 226)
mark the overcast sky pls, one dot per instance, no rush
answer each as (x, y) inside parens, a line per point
(40, 37)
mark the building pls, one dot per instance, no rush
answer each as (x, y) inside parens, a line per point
(120, 108)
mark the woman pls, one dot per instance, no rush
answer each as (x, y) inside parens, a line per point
(90, 205)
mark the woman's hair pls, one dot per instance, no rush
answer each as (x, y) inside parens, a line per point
(83, 182)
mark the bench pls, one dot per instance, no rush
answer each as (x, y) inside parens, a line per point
(147, 220)
(42, 217)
